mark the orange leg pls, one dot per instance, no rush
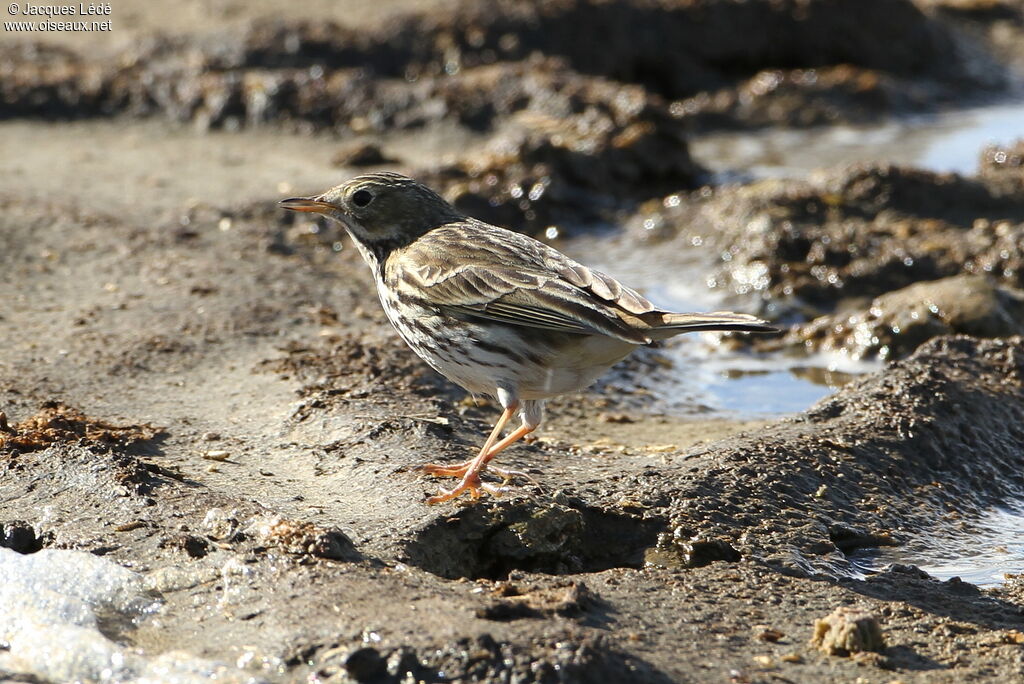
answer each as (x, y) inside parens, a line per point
(514, 437)
(460, 469)
(471, 471)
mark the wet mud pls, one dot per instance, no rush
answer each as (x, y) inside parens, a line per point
(202, 394)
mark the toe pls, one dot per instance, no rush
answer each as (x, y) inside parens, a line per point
(445, 470)
(469, 484)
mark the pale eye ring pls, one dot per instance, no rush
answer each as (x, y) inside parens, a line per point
(362, 198)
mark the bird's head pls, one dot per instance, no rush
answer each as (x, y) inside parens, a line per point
(381, 211)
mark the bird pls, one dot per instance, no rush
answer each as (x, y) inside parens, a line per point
(495, 311)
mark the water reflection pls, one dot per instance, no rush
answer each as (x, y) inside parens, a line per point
(982, 551)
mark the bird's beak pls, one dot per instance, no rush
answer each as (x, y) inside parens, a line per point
(309, 204)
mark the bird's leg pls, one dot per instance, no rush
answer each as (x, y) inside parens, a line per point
(462, 469)
(471, 479)
(511, 439)
(519, 433)
(495, 449)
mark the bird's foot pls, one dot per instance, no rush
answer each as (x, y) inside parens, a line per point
(470, 483)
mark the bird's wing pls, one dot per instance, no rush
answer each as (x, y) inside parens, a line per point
(480, 271)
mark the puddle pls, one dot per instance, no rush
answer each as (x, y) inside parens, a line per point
(981, 551)
(948, 141)
(705, 378)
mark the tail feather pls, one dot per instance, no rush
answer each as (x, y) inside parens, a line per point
(677, 323)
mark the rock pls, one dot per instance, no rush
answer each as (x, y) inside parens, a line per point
(360, 153)
(847, 631)
(897, 323)
(18, 535)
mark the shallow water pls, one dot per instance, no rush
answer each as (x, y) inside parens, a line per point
(982, 551)
(706, 378)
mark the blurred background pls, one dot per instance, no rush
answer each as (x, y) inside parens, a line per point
(851, 170)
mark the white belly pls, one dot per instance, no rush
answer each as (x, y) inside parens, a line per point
(574, 368)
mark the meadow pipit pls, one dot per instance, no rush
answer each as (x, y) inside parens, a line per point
(494, 311)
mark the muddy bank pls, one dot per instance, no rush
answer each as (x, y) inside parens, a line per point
(286, 60)
(844, 233)
(279, 515)
(898, 322)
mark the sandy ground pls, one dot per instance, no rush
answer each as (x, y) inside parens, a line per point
(264, 484)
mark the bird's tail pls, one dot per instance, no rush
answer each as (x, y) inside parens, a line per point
(678, 323)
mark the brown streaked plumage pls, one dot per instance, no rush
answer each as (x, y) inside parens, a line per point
(496, 312)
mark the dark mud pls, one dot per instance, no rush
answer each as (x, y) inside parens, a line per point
(853, 232)
(273, 69)
(869, 261)
(898, 322)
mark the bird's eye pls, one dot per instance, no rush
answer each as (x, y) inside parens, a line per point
(361, 198)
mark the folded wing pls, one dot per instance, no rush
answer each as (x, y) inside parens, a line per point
(505, 277)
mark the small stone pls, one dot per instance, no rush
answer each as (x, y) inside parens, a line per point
(20, 537)
(216, 455)
(769, 634)
(1013, 637)
(847, 631)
